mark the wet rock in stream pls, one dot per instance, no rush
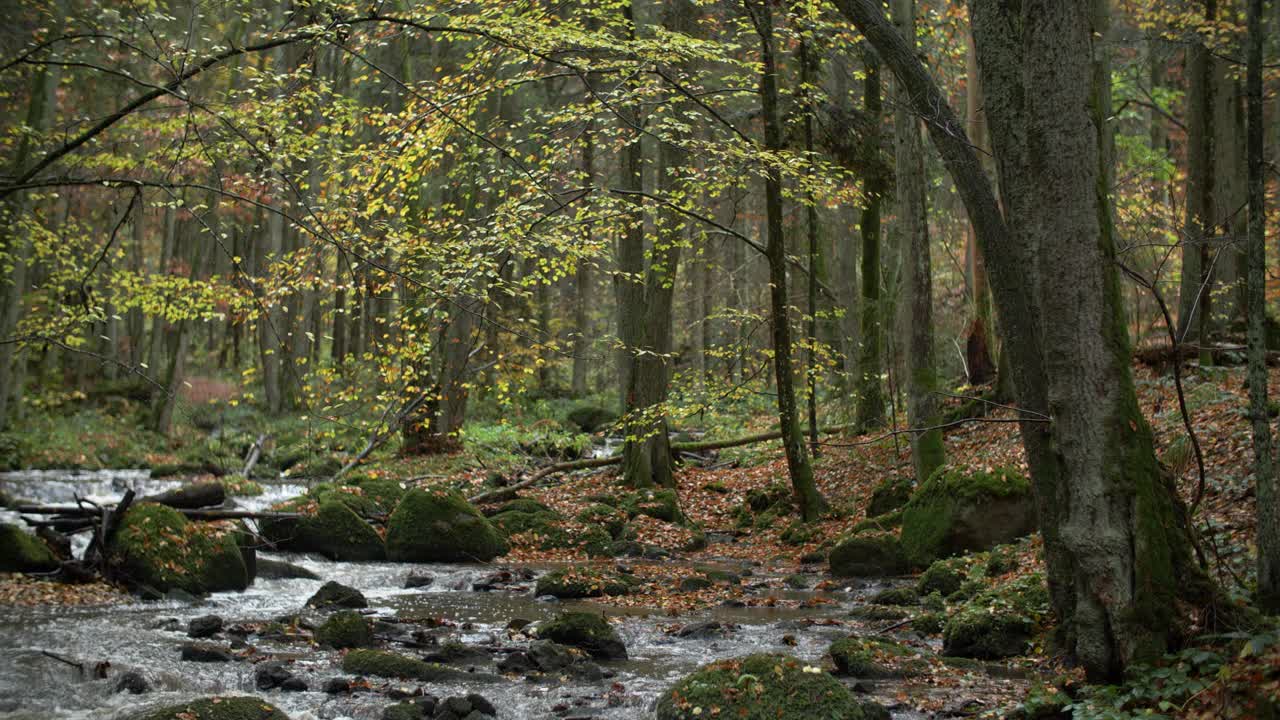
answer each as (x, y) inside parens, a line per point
(280, 570)
(587, 631)
(216, 708)
(205, 652)
(336, 595)
(418, 580)
(133, 683)
(274, 674)
(204, 626)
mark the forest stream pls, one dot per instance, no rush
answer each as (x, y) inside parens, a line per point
(145, 637)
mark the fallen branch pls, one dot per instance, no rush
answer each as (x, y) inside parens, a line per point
(676, 449)
(255, 453)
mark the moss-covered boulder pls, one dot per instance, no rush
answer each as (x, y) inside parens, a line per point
(958, 510)
(868, 555)
(540, 528)
(520, 505)
(759, 687)
(334, 522)
(572, 583)
(891, 494)
(871, 658)
(606, 516)
(217, 708)
(660, 504)
(586, 631)
(378, 663)
(23, 552)
(590, 418)
(345, 630)
(943, 577)
(999, 622)
(156, 548)
(769, 497)
(899, 596)
(440, 526)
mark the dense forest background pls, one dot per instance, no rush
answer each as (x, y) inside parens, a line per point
(485, 244)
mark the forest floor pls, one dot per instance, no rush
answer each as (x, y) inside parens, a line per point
(847, 471)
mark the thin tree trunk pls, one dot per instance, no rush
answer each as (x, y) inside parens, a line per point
(810, 500)
(582, 283)
(927, 450)
(815, 259)
(870, 411)
(1268, 505)
(1193, 303)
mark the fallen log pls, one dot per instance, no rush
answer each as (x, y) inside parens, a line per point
(676, 448)
(255, 454)
(69, 513)
(193, 495)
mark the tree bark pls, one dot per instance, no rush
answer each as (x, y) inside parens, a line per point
(1194, 295)
(1117, 540)
(978, 362)
(1268, 514)
(810, 501)
(927, 450)
(870, 408)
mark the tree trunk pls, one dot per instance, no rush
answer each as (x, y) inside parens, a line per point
(978, 363)
(927, 450)
(811, 502)
(1268, 505)
(582, 282)
(1117, 540)
(870, 410)
(1194, 296)
(14, 244)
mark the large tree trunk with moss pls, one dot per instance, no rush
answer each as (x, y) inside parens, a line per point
(870, 409)
(927, 451)
(1268, 505)
(1117, 539)
(811, 502)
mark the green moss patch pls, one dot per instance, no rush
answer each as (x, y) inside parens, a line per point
(869, 658)
(391, 665)
(23, 552)
(440, 526)
(217, 708)
(345, 630)
(891, 494)
(759, 687)
(331, 528)
(571, 583)
(958, 510)
(585, 631)
(157, 548)
(868, 555)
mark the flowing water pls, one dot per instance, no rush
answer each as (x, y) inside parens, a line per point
(146, 636)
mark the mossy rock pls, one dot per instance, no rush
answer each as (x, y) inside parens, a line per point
(345, 629)
(942, 577)
(574, 583)
(332, 529)
(979, 632)
(585, 631)
(403, 711)
(771, 496)
(217, 708)
(23, 552)
(590, 418)
(959, 511)
(865, 658)
(661, 504)
(798, 533)
(156, 548)
(901, 596)
(597, 542)
(930, 623)
(868, 555)
(1001, 560)
(878, 613)
(759, 687)
(889, 495)
(968, 590)
(999, 622)
(543, 527)
(885, 523)
(606, 516)
(439, 526)
(379, 663)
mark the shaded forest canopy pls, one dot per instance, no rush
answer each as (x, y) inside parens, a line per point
(479, 248)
